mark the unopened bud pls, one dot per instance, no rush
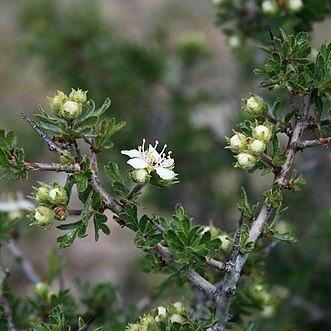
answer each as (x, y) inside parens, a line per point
(42, 194)
(43, 216)
(262, 132)
(42, 291)
(140, 176)
(257, 147)
(246, 160)
(270, 7)
(78, 96)
(57, 101)
(255, 105)
(58, 196)
(294, 6)
(238, 142)
(70, 110)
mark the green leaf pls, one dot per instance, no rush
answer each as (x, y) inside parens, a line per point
(119, 187)
(77, 229)
(99, 221)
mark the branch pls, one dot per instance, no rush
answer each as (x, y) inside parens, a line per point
(326, 142)
(135, 191)
(216, 264)
(232, 277)
(51, 145)
(25, 265)
(198, 281)
(4, 273)
(51, 167)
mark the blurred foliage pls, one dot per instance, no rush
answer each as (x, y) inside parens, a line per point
(152, 84)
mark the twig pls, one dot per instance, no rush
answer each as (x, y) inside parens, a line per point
(232, 277)
(51, 167)
(326, 142)
(135, 191)
(25, 264)
(4, 273)
(216, 264)
(121, 303)
(51, 145)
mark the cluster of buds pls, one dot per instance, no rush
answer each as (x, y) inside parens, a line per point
(170, 315)
(68, 107)
(273, 7)
(248, 149)
(151, 166)
(52, 201)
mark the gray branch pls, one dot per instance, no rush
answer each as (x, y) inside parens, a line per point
(58, 167)
(24, 263)
(326, 142)
(232, 277)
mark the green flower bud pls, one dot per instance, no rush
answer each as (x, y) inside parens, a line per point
(246, 160)
(78, 96)
(262, 132)
(255, 105)
(42, 194)
(294, 6)
(176, 318)
(57, 101)
(140, 176)
(238, 142)
(58, 196)
(270, 7)
(43, 216)
(42, 291)
(70, 110)
(257, 147)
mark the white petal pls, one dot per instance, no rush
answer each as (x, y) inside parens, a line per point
(167, 163)
(152, 151)
(165, 174)
(131, 153)
(138, 163)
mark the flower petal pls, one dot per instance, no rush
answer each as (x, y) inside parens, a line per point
(167, 163)
(165, 174)
(138, 163)
(131, 153)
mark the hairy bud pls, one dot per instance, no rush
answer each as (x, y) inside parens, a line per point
(43, 216)
(238, 142)
(176, 318)
(257, 147)
(70, 110)
(78, 96)
(255, 105)
(58, 196)
(42, 194)
(246, 160)
(262, 132)
(140, 176)
(42, 291)
(57, 101)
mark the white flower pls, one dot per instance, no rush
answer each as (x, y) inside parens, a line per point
(150, 159)
(162, 312)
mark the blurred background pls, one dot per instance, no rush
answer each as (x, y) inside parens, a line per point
(175, 76)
